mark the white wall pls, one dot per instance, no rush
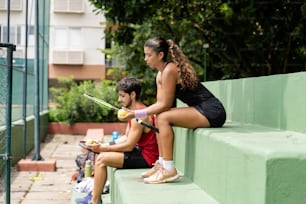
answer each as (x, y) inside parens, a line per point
(17, 19)
(91, 36)
(91, 31)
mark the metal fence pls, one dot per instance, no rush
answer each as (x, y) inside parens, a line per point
(23, 85)
(6, 112)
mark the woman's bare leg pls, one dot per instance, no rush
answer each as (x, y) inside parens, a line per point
(187, 117)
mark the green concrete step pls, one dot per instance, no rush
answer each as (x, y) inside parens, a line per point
(244, 163)
(236, 164)
(128, 188)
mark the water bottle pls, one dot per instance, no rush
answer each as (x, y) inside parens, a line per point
(88, 169)
(115, 135)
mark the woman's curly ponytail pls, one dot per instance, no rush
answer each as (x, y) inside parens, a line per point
(187, 75)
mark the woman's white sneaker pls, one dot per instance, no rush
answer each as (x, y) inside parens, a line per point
(162, 176)
(154, 169)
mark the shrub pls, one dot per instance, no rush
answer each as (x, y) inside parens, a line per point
(69, 104)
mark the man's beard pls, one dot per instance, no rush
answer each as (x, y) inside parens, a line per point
(129, 104)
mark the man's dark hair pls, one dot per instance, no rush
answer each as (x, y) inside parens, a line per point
(128, 85)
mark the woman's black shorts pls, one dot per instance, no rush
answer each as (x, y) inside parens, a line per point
(214, 111)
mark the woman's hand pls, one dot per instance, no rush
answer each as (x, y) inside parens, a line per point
(125, 114)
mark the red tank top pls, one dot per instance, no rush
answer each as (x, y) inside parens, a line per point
(148, 145)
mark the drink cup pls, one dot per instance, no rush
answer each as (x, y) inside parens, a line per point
(115, 135)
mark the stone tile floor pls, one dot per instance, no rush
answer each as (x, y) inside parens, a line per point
(31, 187)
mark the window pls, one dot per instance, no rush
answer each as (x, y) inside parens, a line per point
(68, 38)
(16, 34)
(15, 5)
(69, 6)
(5, 33)
(68, 46)
(31, 30)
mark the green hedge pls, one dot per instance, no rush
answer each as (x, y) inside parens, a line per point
(67, 103)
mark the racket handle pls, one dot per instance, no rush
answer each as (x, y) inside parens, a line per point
(147, 125)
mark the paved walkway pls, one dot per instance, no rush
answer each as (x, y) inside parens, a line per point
(48, 187)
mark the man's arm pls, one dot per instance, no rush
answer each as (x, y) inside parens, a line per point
(134, 134)
(123, 137)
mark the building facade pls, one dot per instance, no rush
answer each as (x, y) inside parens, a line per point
(76, 34)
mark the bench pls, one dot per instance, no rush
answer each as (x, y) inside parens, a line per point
(94, 134)
(259, 158)
(243, 163)
(127, 187)
(236, 164)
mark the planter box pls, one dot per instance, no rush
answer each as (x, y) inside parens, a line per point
(81, 128)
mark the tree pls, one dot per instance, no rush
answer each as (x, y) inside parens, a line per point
(246, 38)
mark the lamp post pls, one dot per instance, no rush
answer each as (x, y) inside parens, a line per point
(205, 46)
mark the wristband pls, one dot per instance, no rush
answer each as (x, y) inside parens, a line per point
(112, 143)
(141, 113)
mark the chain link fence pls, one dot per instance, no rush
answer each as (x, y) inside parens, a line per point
(3, 101)
(6, 61)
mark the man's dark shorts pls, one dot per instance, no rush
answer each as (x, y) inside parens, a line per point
(134, 159)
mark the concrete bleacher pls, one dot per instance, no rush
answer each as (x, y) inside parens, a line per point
(128, 188)
(259, 156)
(243, 163)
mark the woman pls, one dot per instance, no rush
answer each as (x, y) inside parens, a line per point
(176, 79)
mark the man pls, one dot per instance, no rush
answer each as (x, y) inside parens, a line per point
(136, 149)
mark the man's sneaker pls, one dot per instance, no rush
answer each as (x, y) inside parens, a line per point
(154, 169)
(86, 199)
(162, 176)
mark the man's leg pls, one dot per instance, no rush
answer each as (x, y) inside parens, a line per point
(104, 159)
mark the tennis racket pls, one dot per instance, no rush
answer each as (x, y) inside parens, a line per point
(110, 106)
